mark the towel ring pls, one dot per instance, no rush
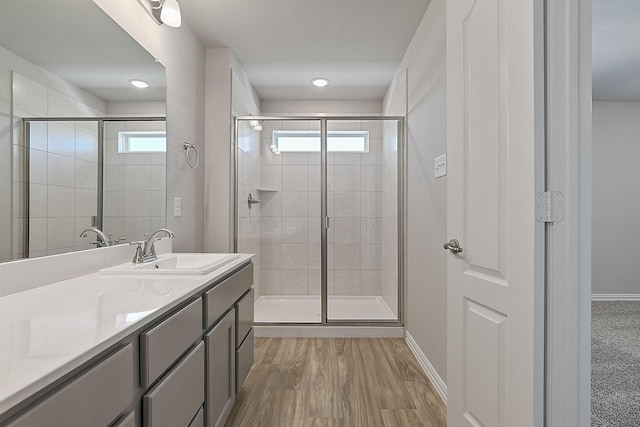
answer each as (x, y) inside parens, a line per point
(188, 147)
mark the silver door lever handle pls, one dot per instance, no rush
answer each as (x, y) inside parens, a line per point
(454, 246)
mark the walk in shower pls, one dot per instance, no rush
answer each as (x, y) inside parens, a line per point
(78, 173)
(319, 200)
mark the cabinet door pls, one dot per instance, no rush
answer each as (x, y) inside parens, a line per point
(244, 359)
(220, 343)
(244, 316)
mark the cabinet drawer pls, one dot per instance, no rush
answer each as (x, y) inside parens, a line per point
(162, 345)
(128, 420)
(94, 398)
(226, 293)
(198, 421)
(175, 400)
(244, 360)
(244, 316)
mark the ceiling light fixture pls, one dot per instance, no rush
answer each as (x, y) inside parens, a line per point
(320, 82)
(139, 83)
(163, 11)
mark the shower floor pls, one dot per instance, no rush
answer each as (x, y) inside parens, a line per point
(306, 309)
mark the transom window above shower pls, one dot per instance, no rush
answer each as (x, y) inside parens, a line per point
(309, 141)
(142, 142)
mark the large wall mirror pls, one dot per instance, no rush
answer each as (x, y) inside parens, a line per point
(80, 146)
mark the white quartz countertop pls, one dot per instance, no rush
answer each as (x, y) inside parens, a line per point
(48, 331)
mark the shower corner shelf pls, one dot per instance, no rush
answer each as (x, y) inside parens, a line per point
(268, 190)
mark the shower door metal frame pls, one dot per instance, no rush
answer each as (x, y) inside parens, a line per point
(401, 209)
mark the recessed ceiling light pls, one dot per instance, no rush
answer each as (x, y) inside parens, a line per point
(320, 82)
(138, 83)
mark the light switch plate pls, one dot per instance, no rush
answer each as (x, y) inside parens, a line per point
(177, 207)
(440, 166)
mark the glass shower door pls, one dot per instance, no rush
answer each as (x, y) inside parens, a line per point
(280, 166)
(362, 205)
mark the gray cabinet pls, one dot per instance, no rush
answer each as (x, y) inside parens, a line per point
(95, 398)
(244, 337)
(220, 343)
(162, 345)
(244, 316)
(244, 359)
(218, 299)
(179, 395)
(128, 420)
(167, 373)
(198, 421)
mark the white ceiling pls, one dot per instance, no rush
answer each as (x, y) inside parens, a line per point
(283, 44)
(616, 50)
(77, 41)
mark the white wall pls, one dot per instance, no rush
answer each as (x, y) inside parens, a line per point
(245, 102)
(426, 293)
(228, 93)
(184, 58)
(136, 108)
(320, 106)
(616, 198)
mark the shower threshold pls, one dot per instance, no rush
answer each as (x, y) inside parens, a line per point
(306, 309)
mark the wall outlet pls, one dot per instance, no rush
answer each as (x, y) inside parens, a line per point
(177, 207)
(440, 166)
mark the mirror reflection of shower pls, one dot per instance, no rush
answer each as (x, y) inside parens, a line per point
(106, 175)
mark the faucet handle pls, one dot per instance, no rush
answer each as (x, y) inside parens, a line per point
(137, 257)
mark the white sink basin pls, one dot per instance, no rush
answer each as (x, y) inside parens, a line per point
(175, 264)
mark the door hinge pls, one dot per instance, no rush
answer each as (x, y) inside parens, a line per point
(327, 222)
(549, 206)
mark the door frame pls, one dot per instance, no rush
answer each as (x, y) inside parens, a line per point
(568, 242)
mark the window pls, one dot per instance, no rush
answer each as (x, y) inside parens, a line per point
(309, 141)
(142, 142)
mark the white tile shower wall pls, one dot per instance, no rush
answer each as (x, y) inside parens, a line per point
(63, 170)
(248, 151)
(290, 223)
(134, 184)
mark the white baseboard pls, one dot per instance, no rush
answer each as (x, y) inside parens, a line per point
(427, 367)
(615, 297)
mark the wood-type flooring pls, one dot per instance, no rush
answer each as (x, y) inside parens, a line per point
(313, 382)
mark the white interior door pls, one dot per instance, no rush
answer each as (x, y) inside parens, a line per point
(495, 137)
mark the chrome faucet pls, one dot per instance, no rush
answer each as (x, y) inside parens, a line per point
(102, 240)
(149, 250)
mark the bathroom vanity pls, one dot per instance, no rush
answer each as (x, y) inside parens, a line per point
(124, 350)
